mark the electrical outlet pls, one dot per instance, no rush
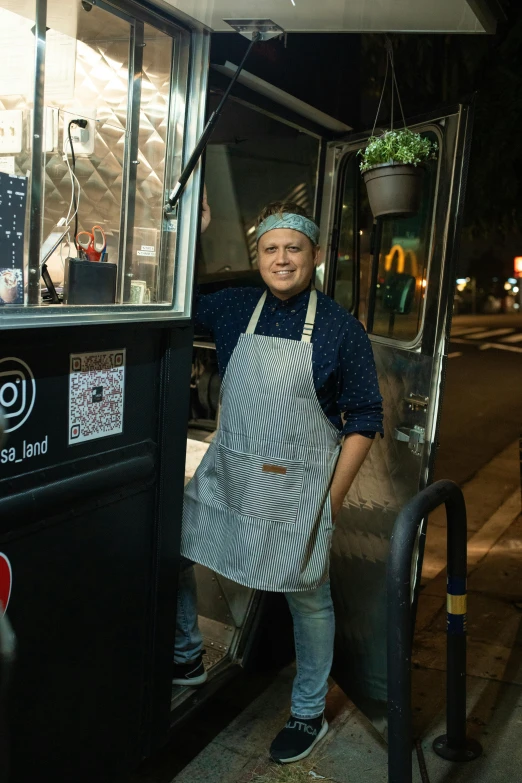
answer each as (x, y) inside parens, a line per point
(11, 124)
(82, 138)
(51, 123)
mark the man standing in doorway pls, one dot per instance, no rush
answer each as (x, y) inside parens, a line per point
(300, 406)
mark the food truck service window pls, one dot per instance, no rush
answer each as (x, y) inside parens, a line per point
(95, 112)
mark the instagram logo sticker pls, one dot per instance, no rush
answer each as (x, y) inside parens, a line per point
(17, 392)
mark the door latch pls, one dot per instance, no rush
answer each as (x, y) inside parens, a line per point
(417, 401)
(413, 436)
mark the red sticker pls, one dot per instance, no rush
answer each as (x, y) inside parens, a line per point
(6, 580)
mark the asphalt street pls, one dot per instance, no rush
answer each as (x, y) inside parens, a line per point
(482, 405)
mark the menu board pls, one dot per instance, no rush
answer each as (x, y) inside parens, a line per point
(13, 201)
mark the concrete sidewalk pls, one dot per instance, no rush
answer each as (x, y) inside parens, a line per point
(353, 750)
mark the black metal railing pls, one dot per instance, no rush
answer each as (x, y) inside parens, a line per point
(454, 745)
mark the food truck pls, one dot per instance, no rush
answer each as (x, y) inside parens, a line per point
(109, 398)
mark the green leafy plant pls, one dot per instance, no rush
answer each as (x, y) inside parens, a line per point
(401, 146)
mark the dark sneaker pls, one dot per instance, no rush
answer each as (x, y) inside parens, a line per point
(189, 674)
(298, 738)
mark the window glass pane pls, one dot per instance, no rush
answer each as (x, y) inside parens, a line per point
(252, 160)
(354, 222)
(146, 249)
(17, 60)
(366, 228)
(112, 140)
(403, 255)
(345, 263)
(403, 260)
(86, 78)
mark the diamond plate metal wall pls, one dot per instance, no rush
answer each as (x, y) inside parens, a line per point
(102, 83)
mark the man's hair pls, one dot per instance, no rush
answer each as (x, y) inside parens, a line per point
(278, 207)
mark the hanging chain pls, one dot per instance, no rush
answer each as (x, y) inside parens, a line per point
(394, 80)
(382, 96)
(394, 86)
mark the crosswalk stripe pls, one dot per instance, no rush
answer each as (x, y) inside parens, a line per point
(490, 333)
(459, 341)
(513, 338)
(500, 347)
(462, 330)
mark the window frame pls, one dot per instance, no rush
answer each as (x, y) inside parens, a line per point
(338, 216)
(186, 114)
(342, 153)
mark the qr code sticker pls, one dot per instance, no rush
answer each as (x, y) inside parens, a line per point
(96, 395)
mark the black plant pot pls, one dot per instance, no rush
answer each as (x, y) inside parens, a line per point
(394, 189)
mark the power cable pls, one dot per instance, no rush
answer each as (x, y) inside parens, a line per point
(81, 124)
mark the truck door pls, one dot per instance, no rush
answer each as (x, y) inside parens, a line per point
(396, 276)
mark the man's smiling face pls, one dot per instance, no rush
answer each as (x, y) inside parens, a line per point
(287, 259)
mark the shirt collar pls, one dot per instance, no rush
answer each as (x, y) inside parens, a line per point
(294, 303)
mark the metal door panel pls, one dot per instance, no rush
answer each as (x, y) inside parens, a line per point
(411, 382)
(80, 613)
(390, 476)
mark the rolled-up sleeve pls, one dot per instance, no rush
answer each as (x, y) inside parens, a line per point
(359, 399)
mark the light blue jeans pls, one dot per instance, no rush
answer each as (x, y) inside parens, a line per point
(314, 629)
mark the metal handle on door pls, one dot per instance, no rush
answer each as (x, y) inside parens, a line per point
(416, 401)
(413, 436)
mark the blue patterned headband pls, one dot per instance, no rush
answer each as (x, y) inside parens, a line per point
(289, 220)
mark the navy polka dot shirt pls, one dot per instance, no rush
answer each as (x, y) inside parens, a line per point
(345, 377)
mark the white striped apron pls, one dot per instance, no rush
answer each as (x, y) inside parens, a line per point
(258, 510)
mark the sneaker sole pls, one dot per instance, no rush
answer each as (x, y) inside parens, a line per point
(301, 756)
(192, 681)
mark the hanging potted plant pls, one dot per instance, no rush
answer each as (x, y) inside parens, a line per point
(393, 163)
(393, 170)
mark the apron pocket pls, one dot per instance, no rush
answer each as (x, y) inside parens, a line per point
(257, 486)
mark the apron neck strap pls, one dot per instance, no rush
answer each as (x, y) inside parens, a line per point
(251, 328)
(308, 328)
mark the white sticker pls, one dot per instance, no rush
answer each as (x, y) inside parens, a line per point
(146, 253)
(148, 247)
(7, 164)
(96, 394)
